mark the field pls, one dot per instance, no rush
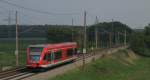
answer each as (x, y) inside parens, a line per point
(124, 65)
(7, 52)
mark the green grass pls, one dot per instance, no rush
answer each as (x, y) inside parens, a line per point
(7, 52)
(113, 67)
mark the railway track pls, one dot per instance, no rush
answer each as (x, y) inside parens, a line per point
(22, 72)
(15, 74)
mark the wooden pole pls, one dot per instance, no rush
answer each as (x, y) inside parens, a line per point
(96, 33)
(110, 40)
(16, 52)
(84, 49)
(72, 30)
(125, 37)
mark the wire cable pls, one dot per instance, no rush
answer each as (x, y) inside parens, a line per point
(35, 10)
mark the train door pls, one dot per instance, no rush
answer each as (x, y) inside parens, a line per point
(56, 55)
(52, 56)
(47, 58)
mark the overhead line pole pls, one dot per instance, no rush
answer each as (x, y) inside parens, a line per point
(125, 37)
(118, 34)
(85, 30)
(110, 39)
(85, 37)
(96, 33)
(16, 52)
(72, 29)
(112, 33)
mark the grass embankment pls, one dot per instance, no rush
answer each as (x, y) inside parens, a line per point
(123, 65)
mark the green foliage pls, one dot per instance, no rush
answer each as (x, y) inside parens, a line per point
(64, 33)
(54, 34)
(61, 34)
(7, 51)
(147, 36)
(140, 42)
(137, 42)
(110, 68)
(105, 28)
(147, 30)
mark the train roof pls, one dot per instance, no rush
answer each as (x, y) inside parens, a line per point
(54, 44)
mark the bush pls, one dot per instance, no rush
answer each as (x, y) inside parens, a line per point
(140, 42)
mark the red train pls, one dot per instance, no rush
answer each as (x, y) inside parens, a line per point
(48, 55)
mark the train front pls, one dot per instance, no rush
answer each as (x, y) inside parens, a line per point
(33, 56)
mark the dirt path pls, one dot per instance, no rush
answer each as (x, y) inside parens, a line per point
(65, 68)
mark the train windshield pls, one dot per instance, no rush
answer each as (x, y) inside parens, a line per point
(34, 58)
(35, 53)
(36, 49)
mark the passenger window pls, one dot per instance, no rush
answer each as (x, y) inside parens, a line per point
(58, 55)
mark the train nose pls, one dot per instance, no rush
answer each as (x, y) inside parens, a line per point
(33, 65)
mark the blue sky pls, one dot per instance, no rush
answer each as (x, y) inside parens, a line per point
(135, 13)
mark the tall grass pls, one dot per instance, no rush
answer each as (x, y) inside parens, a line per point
(111, 68)
(7, 51)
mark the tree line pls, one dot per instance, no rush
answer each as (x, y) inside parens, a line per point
(76, 33)
(140, 41)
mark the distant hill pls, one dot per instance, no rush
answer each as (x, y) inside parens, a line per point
(27, 31)
(138, 30)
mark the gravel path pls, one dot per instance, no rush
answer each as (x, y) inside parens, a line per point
(60, 70)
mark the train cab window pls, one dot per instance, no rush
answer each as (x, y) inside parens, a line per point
(35, 53)
(70, 52)
(34, 58)
(58, 55)
(36, 49)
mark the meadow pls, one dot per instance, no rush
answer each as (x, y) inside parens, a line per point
(7, 52)
(123, 65)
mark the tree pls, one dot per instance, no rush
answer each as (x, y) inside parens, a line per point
(140, 42)
(62, 34)
(104, 28)
(147, 36)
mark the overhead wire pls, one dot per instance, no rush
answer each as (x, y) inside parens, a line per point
(35, 10)
(39, 11)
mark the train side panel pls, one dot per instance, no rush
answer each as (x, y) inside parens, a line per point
(52, 56)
